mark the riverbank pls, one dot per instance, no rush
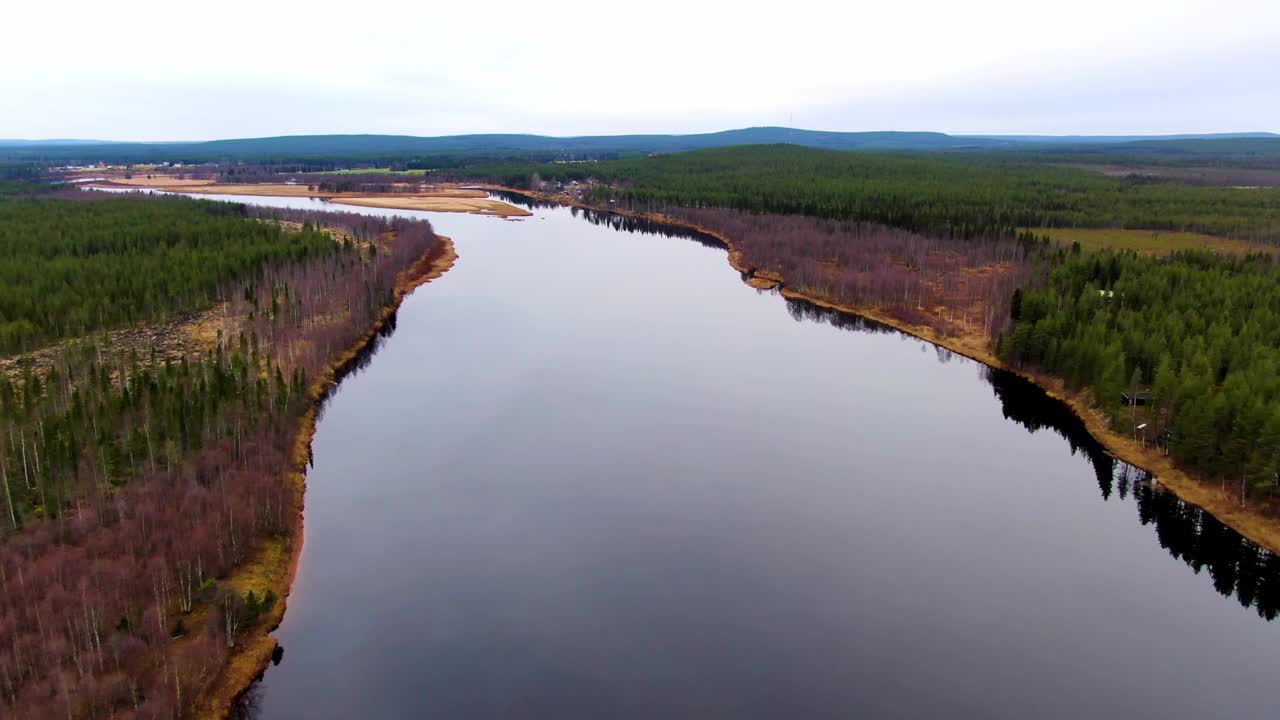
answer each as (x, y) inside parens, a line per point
(445, 199)
(275, 565)
(200, 185)
(432, 203)
(1258, 527)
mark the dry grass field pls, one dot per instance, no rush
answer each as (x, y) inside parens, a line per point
(1154, 242)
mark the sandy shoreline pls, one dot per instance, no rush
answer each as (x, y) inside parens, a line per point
(475, 206)
(441, 199)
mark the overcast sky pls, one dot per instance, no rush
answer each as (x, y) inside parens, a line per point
(170, 70)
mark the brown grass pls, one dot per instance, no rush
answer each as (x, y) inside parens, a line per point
(442, 191)
(434, 199)
(477, 206)
(187, 336)
(212, 188)
(158, 181)
(1220, 176)
(1151, 242)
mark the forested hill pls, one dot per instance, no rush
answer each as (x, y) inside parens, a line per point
(1121, 139)
(363, 146)
(294, 146)
(358, 144)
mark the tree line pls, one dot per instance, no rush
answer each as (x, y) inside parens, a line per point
(956, 195)
(933, 238)
(1235, 566)
(133, 483)
(1198, 333)
(69, 267)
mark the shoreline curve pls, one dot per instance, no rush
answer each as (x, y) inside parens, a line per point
(254, 651)
(1254, 526)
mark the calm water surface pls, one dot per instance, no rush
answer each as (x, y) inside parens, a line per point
(591, 474)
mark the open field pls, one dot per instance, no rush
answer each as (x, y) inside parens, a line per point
(188, 336)
(168, 182)
(434, 199)
(155, 181)
(1153, 242)
(287, 190)
(477, 206)
(1222, 176)
(373, 171)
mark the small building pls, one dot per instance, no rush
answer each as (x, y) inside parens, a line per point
(1139, 398)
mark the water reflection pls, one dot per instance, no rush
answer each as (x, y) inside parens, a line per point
(1236, 567)
(516, 548)
(359, 363)
(528, 202)
(249, 705)
(632, 224)
(1027, 405)
(616, 221)
(805, 311)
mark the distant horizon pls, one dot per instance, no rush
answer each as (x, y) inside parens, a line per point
(980, 135)
(148, 70)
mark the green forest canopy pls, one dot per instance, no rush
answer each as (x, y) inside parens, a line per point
(71, 266)
(1250, 148)
(1201, 331)
(937, 193)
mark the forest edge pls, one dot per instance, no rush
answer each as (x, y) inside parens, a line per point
(254, 650)
(1253, 525)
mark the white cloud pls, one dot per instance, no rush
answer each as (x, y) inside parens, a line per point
(152, 70)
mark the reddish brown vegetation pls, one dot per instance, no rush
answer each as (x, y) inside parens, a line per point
(953, 285)
(91, 600)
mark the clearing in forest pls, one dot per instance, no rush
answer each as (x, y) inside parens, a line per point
(1153, 242)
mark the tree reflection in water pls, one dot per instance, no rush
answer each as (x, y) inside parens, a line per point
(616, 221)
(1236, 566)
(249, 705)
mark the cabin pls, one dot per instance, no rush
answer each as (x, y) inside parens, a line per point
(1138, 398)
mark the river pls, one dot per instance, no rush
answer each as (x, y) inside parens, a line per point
(591, 474)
